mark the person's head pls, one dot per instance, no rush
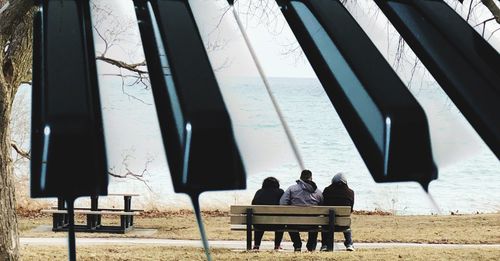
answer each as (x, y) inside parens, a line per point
(270, 182)
(339, 178)
(306, 175)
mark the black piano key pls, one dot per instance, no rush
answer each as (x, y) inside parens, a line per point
(386, 123)
(67, 141)
(461, 61)
(196, 128)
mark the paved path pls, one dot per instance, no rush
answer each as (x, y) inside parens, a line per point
(230, 244)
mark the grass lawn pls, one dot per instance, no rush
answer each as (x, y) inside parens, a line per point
(473, 229)
(170, 253)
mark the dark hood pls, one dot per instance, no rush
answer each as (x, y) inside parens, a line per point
(307, 185)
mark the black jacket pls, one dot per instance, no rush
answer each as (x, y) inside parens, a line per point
(338, 195)
(267, 196)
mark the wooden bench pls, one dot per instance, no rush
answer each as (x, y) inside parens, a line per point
(94, 214)
(293, 218)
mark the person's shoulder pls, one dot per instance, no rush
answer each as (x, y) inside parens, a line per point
(276, 191)
(257, 193)
(328, 190)
(350, 191)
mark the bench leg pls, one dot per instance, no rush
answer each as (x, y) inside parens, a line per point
(93, 221)
(89, 221)
(59, 221)
(331, 227)
(62, 220)
(333, 242)
(66, 219)
(123, 223)
(55, 221)
(249, 228)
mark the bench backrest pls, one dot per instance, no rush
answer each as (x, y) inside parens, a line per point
(290, 215)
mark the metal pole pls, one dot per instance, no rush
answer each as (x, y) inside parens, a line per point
(71, 230)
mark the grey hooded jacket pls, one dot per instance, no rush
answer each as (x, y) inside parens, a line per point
(302, 194)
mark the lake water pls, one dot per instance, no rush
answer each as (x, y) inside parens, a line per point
(469, 173)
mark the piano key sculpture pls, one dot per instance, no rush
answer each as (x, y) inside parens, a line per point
(67, 142)
(386, 123)
(197, 133)
(463, 63)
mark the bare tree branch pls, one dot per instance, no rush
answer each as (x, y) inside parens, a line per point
(492, 33)
(493, 7)
(131, 174)
(133, 67)
(21, 152)
(485, 21)
(470, 10)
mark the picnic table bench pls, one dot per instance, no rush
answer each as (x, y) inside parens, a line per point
(94, 214)
(293, 219)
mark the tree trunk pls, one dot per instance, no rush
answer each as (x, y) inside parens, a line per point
(15, 65)
(9, 241)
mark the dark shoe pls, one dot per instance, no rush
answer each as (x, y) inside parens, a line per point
(325, 248)
(311, 248)
(278, 249)
(297, 250)
(255, 248)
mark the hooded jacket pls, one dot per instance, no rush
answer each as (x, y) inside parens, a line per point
(338, 194)
(267, 196)
(303, 193)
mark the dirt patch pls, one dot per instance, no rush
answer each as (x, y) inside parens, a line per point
(187, 253)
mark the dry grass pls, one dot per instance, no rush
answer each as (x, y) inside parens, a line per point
(185, 253)
(478, 228)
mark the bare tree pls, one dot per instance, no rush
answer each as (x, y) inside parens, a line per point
(16, 38)
(15, 63)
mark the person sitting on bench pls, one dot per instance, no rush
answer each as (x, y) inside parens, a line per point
(338, 194)
(269, 194)
(304, 193)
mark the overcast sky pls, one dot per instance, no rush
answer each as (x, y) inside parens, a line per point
(273, 39)
(270, 35)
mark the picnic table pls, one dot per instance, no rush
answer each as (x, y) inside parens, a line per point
(94, 214)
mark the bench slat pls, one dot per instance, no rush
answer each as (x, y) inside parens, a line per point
(290, 210)
(290, 220)
(101, 209)
(122, 195)
(89, 212)
(325, 229)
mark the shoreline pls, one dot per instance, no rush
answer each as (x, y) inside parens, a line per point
(35, 212)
